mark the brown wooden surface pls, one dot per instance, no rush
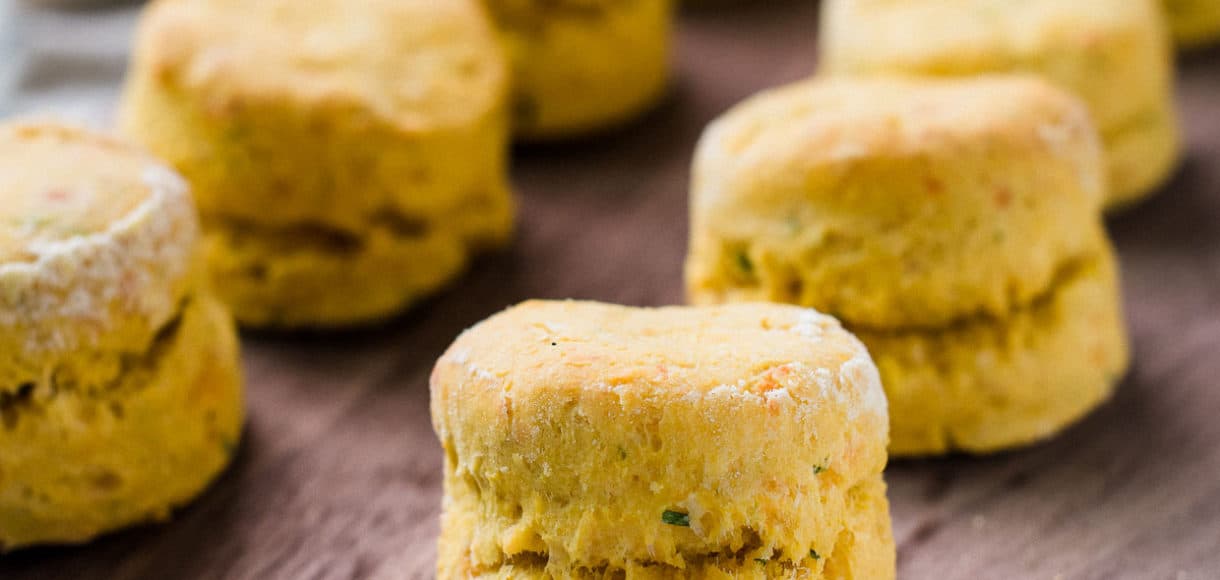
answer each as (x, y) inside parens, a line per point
(339, 476)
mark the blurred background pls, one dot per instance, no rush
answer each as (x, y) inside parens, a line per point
(64, 58)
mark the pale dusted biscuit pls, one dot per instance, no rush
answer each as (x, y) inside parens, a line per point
(585, 440)
(1115, 54)
(98, 256)
(120, 392)
(358, 126)
(953, 225)
(583, 65)
(1194, 22)
(894, 202)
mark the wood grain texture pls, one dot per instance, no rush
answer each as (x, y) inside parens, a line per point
(339, 475)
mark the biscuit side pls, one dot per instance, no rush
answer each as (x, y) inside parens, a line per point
(127, 451)
(579, 67)
(560, 436)
(990, 384)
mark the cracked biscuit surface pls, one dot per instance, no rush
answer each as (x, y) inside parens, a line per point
(583, 65)
(953, 225)
(120, 392)
(1114, 54)
(376, 135)
(586, 440)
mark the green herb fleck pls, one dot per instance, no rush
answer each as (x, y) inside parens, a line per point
(818, 469)
(744, 263)
(674, 518)
(762, 561)
(622, 453)
(814, 554)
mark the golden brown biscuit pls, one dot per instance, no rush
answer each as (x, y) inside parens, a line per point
(364, 136)
(586, 440)
(583, 65)
(1115, 54)
(114, 358)
(989, 384)
(953, 224)
(894, 202)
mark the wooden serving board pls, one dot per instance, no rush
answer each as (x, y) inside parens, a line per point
(339, 474)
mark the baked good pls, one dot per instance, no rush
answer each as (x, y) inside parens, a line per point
(987, 384)
(583, 65)
(585, 440)
(1194, 22)
(1115, 54)
(895, 202)
(953, 225)
(115, 359)
(347, 159)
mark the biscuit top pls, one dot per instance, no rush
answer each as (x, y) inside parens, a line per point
(837, 122)
(95, 237)
(55, 187)
(418, 63)
(982, 30)
(1113, 53)
(739, 351)
(1014, 20)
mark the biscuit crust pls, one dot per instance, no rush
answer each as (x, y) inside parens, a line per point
(351, 123)
(894, 202)
(585, 440)
(120, 387)
(1115, 54)
(583, 65)
(985, 385)
(285, 277)
(954, 226)
(143, 433)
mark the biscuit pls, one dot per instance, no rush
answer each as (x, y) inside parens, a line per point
(1115, 54)
(894, 202)
(988, 384)
(585, 440)
(114, 358)
(321, 143)
(583, 65)
(1194, 22)
(954, 225)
